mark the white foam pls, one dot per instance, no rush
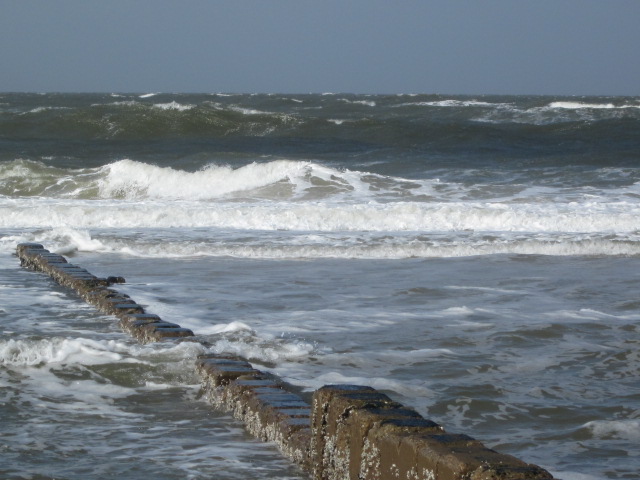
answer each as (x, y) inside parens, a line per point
(83, 351)
(452, 103)
(368, 103)
(74, 240)
(147, 95)
(60, 351)
(305, 180)
(173, 106)
(463, 311)
(627, 429)
(66, 240)
(243, 110)
(335, 213)
(409, 389)
(579, 105)
(407, 217)
(262, 349)
(45, 109)
(224, 328)
(123, 103)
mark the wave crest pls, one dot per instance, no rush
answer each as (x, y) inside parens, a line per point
(134, 180)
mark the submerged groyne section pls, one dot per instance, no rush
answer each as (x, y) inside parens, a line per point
(343, 432)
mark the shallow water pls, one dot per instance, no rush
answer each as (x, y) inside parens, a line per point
(81, 399)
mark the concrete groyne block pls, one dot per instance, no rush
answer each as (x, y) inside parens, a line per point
(20, 249)
(96, 291)
(360, 434)
(269, 411)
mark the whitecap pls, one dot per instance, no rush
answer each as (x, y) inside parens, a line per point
(60, 351)
(263, 349)
(368, 103)
(225, 328)
(457, 311)
(173, 106)
(409, 389)
(45, 109)
(579, 105)
(452, 103)
(132, 179)
(626, 429)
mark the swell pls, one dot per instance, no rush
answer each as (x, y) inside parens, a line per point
(457, 128)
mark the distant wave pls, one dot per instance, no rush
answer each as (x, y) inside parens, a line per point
(579, 105)
(559, 112)
(368, 103)
(46, 109)
(361, 119)
(173, 106)
(453, 103)
(276, 180)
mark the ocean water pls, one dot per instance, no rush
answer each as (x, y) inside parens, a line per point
(476, 258)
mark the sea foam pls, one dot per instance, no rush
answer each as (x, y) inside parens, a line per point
(60, 350)
(578, 105)
(173, 106)
(627, 429)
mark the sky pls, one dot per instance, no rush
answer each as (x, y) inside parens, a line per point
(557, 47)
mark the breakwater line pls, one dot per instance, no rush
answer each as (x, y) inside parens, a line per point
(344, 432)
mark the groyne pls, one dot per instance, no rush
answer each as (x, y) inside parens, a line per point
(342, 432)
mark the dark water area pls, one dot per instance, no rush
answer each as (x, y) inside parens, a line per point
(425, 131)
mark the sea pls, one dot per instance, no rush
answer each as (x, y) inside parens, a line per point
(477, 258)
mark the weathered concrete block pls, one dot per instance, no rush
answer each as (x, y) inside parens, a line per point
(361, 434)
(330, 449)
(31, 257)
(53, 259)
(67, 266)
(268, 411)
(164, 333)
(274, 414)
(140, 317)
(21, 247)
(150, 326)
(95, 294)
(221, 371)
(113, 280)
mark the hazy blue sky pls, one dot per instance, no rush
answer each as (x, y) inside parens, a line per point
(363, 46)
